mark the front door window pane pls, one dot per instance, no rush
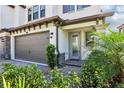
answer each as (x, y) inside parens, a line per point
(75, 45)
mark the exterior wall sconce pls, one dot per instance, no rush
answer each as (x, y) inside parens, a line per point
(2, 40)
(51, 35)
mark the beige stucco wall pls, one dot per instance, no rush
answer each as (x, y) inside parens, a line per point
(19, 16)
(6, 16)
(92, 10)
(11, 17)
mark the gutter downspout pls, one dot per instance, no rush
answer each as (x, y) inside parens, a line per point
(58, 24)
(57, 44)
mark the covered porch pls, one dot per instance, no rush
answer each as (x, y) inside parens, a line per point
(73, 38)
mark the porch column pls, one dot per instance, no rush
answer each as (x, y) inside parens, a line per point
(12, 47)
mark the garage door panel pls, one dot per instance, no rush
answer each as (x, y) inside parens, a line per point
(32, 47)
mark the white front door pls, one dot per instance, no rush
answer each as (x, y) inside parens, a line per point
(75, 45)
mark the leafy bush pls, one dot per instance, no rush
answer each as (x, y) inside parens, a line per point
(98, 70)
(20, 83)
(33, 76)
(58, 80)
(93, 73)
(51, 56)
(113, 46)
(74, 80)
(120, 85)
(105, 63)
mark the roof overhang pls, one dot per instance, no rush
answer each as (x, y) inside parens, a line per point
(88, 18)
(42, 21)
(62, 22)
(13, 6)
(4, 30)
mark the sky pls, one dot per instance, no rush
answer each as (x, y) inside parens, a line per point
(118, 18)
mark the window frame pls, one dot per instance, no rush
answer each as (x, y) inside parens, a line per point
(67, 8)
(42, 10)
(30, 14)
(88, 36)
(84, 6)
(35, 12)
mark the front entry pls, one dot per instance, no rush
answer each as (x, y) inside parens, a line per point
(74, 45)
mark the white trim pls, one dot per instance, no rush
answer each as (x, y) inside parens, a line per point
(30, 62)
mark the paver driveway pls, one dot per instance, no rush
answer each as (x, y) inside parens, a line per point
(45, 69)
(20, 63)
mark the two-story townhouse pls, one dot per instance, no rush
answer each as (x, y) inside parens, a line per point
(65, 26)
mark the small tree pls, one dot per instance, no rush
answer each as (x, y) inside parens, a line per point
(51, 56)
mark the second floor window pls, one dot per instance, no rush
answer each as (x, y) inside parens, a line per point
(42, 10)
(29, 14)
(82, 6)
(68, 8)
(35, 12)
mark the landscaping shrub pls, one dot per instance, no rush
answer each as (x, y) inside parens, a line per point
(34, 78)
(31, 77)
(51, 56)
(74, 80)
(19, 83)
(58, 80)
(114, 48)
(105, 64)
(93, 73)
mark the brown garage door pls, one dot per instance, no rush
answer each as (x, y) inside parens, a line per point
(32, 47)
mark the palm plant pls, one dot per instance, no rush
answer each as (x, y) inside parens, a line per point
(113, 46)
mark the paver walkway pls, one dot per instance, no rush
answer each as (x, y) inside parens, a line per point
(45, 69)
